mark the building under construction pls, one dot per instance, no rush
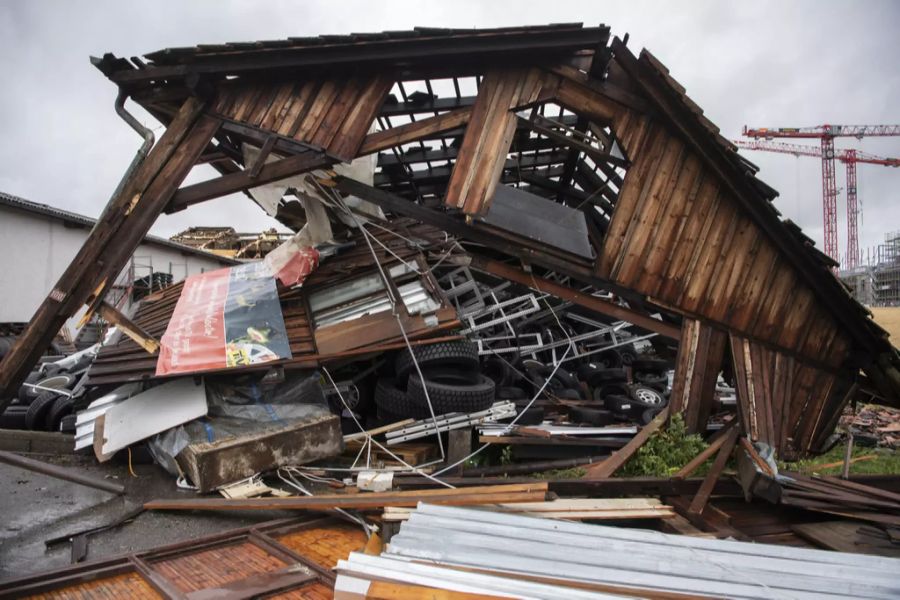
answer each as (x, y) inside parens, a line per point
(877, 283)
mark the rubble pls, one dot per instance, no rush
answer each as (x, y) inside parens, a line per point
(576, 257)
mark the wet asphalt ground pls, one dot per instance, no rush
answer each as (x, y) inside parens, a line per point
(36, 508)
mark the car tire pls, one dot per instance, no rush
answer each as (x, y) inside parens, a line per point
(647, 397)
(459, 354)
(60, 381)
(649, 414)
(450, 396)
(14, 417)
(509, 393)
(650, 365)
(497, 370)
(591, 416)
(621, 405)
(603, 376)
(36, 416)
(60, 408)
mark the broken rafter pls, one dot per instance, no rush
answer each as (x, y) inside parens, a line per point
(593, 303)
(128, 327)
(244, 180)
(612, 464)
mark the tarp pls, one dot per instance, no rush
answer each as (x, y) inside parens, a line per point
(225, 318)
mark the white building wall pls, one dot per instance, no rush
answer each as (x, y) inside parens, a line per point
(35, 250)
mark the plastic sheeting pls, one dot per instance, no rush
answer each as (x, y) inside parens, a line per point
(241, 407)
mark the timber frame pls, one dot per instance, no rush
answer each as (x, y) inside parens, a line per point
(681, 232)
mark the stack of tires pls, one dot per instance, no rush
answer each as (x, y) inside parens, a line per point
(617, 399)
(450, 377)
(47, 407)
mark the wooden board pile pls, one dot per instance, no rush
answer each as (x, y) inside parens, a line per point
(873, 424)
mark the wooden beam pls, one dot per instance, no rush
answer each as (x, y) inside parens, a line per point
(612, 464)
(707, 453)
(709, 482)
(244, 180)
(586, 300)
(396, 136)
(128, 327)
(133, 209)
(532, 492)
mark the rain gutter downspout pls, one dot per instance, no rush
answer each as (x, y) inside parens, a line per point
(145, 132)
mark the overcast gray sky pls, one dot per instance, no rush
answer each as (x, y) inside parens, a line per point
(756, 63)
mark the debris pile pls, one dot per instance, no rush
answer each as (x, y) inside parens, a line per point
(521, 266)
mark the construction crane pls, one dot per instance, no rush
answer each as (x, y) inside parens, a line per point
(826, 134)
(850, 158)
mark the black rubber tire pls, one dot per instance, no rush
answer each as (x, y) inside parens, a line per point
(36, 416)
(649, 414)
(611, 359)
(532, 416)
(509, 393)
(447, 398)
(566, 378)
(61, 407)
(591, 416)
(67, 424)
(390, 400)
(536, 367)
(50, 369)
(651, 377)
(24, 397)
(458, 354)
(602, 376)
(646, 397)
(14, 417)
(497, 370)
(60, 381)
(621, 405)
(609, 389)
(628, 355)
(650, 365)
(6, 343)
(567, 394)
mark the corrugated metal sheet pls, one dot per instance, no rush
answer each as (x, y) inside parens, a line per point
(630, 561)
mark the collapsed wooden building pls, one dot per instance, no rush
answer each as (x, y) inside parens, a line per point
(553, 156)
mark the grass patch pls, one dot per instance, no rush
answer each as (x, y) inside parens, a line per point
(666, 452)
(876, 461)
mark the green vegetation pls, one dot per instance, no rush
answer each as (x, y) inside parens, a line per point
(882, 462)
(665, 452)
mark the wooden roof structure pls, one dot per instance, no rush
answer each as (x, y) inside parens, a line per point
(562, 115)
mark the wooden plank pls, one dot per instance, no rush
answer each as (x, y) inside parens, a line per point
(697, 220)
(484, 140)
(632, 255)
(670, 224)
(359, 119)
(707, 453)
(533, 492)
(410, 132)
(612, 464)
(698, 503)
(705, 255)
(129, 328)
(243, 180)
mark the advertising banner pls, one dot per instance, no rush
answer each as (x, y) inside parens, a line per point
(225, 318)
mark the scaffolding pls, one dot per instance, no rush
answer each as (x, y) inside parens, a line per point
(877, 281)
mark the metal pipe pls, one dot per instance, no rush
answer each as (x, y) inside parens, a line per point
(144, 132)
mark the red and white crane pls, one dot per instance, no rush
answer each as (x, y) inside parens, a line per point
(826, 134)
